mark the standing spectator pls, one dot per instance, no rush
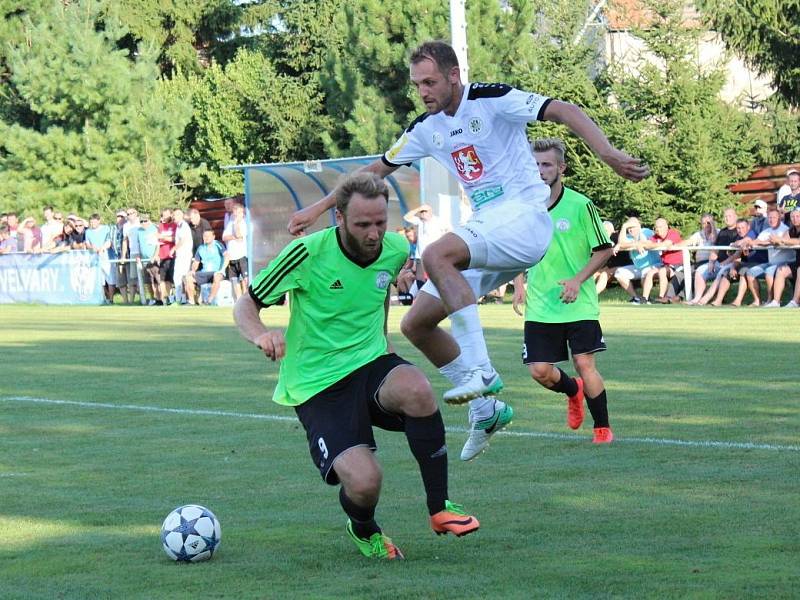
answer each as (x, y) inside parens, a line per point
(117, 254)
(667, 237)
(29, 236)
(228, 203)
(147, 236)
(235, 238)
(646, 263)
(183, 253)
(130, 236)
(166, 256)
(788, 202)
(63, 243)
(12, 220)
(199, 226)
(618, 259)
(98, 240)
(790, 241)
(8, 244)
(51, 229)
(786, 189)
(77, 239)
(759, 221)
(776, 257)
(214, 260)
(429, 229)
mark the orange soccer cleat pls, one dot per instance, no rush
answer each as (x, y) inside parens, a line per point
(575, 410)
(603, 435)
(453, 519)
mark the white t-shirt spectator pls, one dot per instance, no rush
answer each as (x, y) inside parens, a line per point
(776, 255)
(699, 238)
(129, 232)
(183, 242)
(237, 248)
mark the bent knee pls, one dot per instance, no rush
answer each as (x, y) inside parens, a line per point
(540, 371)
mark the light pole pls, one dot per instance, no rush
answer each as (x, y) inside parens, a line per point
(458, 35)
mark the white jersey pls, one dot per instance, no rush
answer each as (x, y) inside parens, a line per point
(484, 145)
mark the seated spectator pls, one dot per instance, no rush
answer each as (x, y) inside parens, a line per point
(759, 221)
(705, 236)
(790, 270)
(646, 263)
(729, 268)
(665, 238)
(618, 259)
(791, 200)
(776, 258)
(708, 272)
(214, 260)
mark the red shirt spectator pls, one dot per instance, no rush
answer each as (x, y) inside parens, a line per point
(166, 235)
(666, 236)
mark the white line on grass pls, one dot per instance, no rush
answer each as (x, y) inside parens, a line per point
(527, 434)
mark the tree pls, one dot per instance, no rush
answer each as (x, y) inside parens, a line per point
(766, 33)
(84, 123)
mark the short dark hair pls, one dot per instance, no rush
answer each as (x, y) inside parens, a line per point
(556, 144)
(441, 53)
(95, 216)
(365, 183)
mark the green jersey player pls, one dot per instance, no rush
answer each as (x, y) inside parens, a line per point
(337, 369)
(561, 307)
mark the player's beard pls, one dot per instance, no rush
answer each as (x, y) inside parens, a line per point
(363, 251)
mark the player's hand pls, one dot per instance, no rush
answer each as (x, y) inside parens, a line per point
(570, 288)
(626, 166)
(406, 277)
(272, 343)
(304, 218)
(518, 301)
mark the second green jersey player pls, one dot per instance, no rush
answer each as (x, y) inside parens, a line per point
(337, 369)
(561, 307)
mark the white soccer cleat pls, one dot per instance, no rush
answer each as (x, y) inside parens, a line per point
(480, 432)
(477, 383)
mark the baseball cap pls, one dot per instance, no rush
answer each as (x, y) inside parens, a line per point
(790, 171)
(760, 203)
(122, 213)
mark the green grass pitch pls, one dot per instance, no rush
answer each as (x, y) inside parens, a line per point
(699, 497)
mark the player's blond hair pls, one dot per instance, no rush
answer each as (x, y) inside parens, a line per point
(367, 184)
(556, 144)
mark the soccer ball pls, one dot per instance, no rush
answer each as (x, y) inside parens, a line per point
(190, 533)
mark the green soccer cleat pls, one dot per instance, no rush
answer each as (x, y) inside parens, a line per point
(480, 432)
(377, 546)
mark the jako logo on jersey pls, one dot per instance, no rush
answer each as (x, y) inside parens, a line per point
(456, 132)
(562, 225)
(475, 125)
(382, 280)
(469, 166)
(438, 139)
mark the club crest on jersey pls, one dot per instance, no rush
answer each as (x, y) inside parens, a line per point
(475, 125)
(468, 164)
(438, 139)
(383, 279)
(563, 224)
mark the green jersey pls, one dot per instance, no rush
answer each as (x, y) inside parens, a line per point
(577, 232)
(337, 309)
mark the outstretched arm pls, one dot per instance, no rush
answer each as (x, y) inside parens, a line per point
(305, 217)
(581, 125)
(270, 341)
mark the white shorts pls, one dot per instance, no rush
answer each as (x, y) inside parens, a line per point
(630, 272)
(503, 242)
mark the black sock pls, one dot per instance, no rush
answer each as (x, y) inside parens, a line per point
(598, 406)
(362, 518)
(426, 439)
(566, 385)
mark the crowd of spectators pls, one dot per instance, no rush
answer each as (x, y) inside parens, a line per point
(173, 256)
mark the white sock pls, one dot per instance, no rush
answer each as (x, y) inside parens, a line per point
(482, 408)
(456, 370)
(465, 327)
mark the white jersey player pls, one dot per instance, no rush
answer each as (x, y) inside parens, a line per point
(478, 132)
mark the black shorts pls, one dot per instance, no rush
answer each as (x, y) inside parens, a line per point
(204, 277)
(238, 268)
(547, 342)
(341, 416)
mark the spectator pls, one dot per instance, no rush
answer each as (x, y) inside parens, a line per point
(788, 202)
(705, 236)
(228, 203)
(98, 240)
(759, 221)
(63, 243)
(602, 277)
(776, 258)
(199, 226)
(729, 268)
(7, 243)
(214, 260)
(147, 236)
(789, 271)
(429, 229)
(118, 251)
(12, 220)
(235, 238)
(51, 229)
(646, 263)
(29, 236)
(77, 239)
(166, 257)
(708, 272)
(130, 235)
(786, 188)
(183, 253)
(667, 237)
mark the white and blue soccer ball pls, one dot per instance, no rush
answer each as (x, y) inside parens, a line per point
(190, 533)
